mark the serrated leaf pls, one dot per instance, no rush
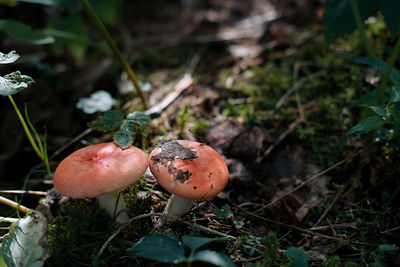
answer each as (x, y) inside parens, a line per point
(338, 17)
(159, 247)
(366, 124)
(108, 121)
(23, 32)
(213, 257)
(378, 110)
(298, 257)
(396, 120)
(138, 117)
(9, 57)
(26, 244)
(390, 10)
(123, 138)
(373, 62)
(394, 94)
(195, 242)
(13, 83)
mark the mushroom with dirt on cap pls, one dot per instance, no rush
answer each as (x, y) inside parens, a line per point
(101, 171)
(189, 171)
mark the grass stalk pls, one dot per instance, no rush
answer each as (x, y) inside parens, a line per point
(111, 43)
(26, 129)
(357, 16)
(389, 67)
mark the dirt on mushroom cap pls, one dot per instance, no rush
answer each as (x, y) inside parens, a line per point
(189, 169)
(99, 169)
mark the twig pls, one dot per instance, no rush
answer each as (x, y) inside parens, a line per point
(124, 225)
(308, 181)
(14, 204)
(306, 231)
(30, 192)
(71, 142)
(391, 230)
(335, 226)
(341, 189)
(290, 129)
(9, 220)
(206, 229)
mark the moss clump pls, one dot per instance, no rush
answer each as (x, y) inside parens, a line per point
(78, 233)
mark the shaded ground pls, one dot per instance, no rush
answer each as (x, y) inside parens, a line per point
(263, 90)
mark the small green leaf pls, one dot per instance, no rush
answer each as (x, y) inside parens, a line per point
(139, 118)
(108, 121)
(390, 10)
(380, 111)
(195, 242)
(13, 83)
(238, 224)
(123, 138)
(373, 62)
(338, 17)
(213, 257)
(23, 32)
(8, 58)
(394, 94)
(159, 247)
(387, 248)
(26, 244)
(298, 257)
(366, 124)
(396, 120)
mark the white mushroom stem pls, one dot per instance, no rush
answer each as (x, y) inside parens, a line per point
(114, 204)
(176, 207)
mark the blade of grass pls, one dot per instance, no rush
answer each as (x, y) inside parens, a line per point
(99, 24)
(26, 129)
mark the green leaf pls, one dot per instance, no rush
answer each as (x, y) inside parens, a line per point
(298, 257)
(213, 257)
(108, 10)
(195, 242)
(23, 32)
(76, 26)
(123, 138)
(139, 118)
(366, 124)
(387, 248)
(26, 244)
(394, 94)
(390, 10)
(40, 2)
(396, 120)
(373, 62)
(338, 17)
(159, 247)
(13, 83)
(379, 110)
(10, 3)
(8, 58)
(108, 121)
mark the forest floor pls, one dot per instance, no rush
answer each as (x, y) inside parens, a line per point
(255, 81)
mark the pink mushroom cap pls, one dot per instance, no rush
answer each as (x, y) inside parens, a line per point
(189, 169)
(99, 169)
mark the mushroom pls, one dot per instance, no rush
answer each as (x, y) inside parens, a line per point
(101, 171)
(189, 171)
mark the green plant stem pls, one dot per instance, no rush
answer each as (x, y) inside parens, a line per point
(388, 70)
(360, 26)
(28, 133)
(99, 24)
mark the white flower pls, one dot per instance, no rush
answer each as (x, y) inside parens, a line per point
(98, 101)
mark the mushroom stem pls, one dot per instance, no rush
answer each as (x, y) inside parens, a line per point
(114, 204)
(176, 207)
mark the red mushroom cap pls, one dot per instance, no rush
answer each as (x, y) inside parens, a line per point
(99, 169)
(189, 169)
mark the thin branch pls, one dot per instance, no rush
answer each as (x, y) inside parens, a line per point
(14, 205)
(30, 192)
(308, 181)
